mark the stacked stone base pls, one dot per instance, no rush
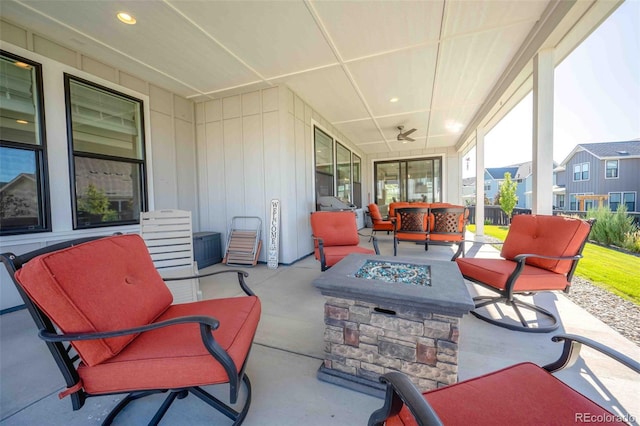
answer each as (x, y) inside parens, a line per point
(365, 340)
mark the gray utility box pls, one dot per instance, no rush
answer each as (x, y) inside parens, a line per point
(207, 250)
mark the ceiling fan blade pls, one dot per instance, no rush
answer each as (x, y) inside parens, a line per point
(408, 132)
(406, 138)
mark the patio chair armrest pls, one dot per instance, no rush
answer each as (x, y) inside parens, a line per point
(401, 391)
(323, 260)
(523, 257)
(207, 322)
(571, 351)
(241, 276)
(460, 251)
(374, 240)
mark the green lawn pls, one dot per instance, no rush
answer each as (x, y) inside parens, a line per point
(610, 269)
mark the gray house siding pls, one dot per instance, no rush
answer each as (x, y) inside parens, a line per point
(628, 180)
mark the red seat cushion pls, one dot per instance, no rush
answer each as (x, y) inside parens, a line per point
(494, 272)
(174, 357)
(546, 235)
(335, 254)
(103, 285)
(523, 394)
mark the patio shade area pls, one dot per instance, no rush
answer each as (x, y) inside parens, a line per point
(289, 349)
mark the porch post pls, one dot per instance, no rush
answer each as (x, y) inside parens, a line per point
(543, 68)
(480, 181)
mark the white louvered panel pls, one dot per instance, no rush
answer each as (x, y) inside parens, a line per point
(169, 239)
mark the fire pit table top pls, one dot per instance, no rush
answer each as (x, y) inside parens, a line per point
(414, 282)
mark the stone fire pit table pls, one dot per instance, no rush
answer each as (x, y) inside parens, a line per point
(385, 313)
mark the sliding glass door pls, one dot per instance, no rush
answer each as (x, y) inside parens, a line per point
(408, 180)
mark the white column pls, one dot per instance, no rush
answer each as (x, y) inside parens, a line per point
(480, 182)
(543, 68)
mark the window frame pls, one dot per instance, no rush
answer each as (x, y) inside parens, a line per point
(332, 175)
(73, 154)
(403, 177)
(606, 169)
(581, 172)
(337, 174)
(356, 179)
(40, 154)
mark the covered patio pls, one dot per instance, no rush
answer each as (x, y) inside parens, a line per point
(288, 351)
(232, 98)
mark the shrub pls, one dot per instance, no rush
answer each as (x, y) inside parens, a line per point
(632, 241)
(615, 229)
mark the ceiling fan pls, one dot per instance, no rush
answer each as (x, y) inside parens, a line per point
(404, 136)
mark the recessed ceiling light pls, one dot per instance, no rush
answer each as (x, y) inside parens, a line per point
(454, 126)
(22, 122)
(126, 18)
(393, 100)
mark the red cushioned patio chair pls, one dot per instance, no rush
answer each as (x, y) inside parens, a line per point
(378, 223)
(411, 224)
(108, 320)
(523, 394)
(540, 253)
(336, 236)
(447, 226)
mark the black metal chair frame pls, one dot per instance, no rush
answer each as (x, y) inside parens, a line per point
(67, 360)
(401, 391)
(508, 295)
(323, 260)
(423, 232)
(460, 243)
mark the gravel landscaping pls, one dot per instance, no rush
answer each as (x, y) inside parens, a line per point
(618, 313)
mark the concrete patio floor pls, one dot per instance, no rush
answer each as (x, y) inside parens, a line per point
(288, 350)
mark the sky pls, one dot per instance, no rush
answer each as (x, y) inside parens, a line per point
(597, 96)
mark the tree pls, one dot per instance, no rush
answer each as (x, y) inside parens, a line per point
(96, 203)
(507, 193)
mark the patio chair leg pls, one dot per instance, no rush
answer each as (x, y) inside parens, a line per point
(165, 406)
(236, 416)
(125, 401)
(516, 304)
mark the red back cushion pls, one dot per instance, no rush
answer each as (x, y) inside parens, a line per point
(102, 285)
(374, 211)
(335, 228)
(545, 235)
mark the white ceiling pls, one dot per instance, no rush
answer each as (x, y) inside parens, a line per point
(443, 60)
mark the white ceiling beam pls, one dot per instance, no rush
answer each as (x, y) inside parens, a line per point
(549, 21)
(334, 49)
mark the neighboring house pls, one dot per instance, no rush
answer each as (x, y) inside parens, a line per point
(606, 173)
(19, 201)
(524, 178)
(493, 178)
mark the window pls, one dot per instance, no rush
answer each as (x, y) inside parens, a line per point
(343, 167)
(560, 201)
(628, 198)
(408, 180)
(345, 183)
(24, 196)
(611, 169)
(581, 172)
(487, 185)
(324, 163)
(578, 202)
(106, 142)
(357, 180)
